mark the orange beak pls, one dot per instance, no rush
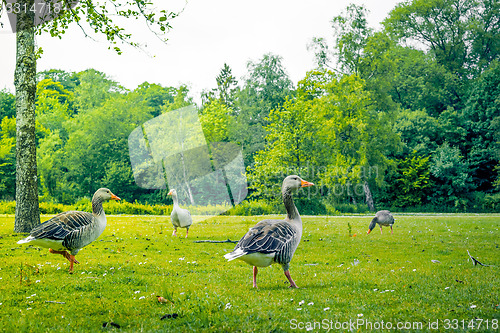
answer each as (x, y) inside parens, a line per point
(368, 232)
(114, 197)
(170, 192)
(305, 184)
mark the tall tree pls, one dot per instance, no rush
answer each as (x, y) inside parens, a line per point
(100, 17)
(27, 212)
(266, 88)
(462, 34)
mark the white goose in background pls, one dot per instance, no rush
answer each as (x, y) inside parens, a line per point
(73, 230)
(273, 241)
(181, 218)
(383, 218)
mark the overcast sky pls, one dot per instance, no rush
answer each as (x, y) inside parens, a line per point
(207, 34)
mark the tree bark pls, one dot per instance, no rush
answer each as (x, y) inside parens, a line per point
(27, 210)
(369, 198)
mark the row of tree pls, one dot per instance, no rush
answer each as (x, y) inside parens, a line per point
(404, 117)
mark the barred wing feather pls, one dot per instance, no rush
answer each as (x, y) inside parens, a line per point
(268, 236)
(62, 224)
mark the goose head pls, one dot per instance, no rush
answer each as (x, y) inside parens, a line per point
(104, 194)
(294, 182)
(372, 225)
(172, 192)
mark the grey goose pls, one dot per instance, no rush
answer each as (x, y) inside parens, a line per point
(273, 241)
(73, 230)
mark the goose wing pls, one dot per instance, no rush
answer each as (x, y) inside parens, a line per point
(62, 224)
(267, 236)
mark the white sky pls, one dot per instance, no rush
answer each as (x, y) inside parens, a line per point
(206, 35)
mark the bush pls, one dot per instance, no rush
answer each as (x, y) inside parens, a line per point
(7, 207)
(248, 208)
(491, 203)
(346, 208)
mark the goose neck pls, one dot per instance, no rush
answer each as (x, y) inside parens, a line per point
(174, 198)
(97, 205)
(291, 210)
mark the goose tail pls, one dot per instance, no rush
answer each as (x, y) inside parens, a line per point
(26, 240)
(235, 254)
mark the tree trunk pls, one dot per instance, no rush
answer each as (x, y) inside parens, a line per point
(27, 211)
(369, 198)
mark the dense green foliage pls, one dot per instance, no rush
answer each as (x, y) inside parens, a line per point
(414, 127)
(354, 278)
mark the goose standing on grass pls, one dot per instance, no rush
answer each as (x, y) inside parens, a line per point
(383, 218)
(73, 230)
(273, 241)
(181, 218)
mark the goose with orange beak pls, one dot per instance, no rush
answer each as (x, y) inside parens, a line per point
(73, 230)
(273, 241)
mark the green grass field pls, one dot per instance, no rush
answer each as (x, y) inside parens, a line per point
(346, 283)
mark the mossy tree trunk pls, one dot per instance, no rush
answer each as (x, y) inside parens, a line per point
(27, 211)
(369, 197)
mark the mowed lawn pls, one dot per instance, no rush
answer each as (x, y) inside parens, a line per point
(347, 283)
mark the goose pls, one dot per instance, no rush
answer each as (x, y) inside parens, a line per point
(73, 230)
(273, 241)
(181, 218)
(383, 218)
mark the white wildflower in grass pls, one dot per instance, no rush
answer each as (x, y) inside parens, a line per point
(309, 328)
(181, 258)
(104, 274)
(312, 303)
(228, 306)
(473, 306)
(301, 302)
(375, 289)
(111, 268)
(142, 297)
(298, 309)
(326, 309)
(360, 315)
(37, 281)
(415, 270)
(137, 291)
(446, 288)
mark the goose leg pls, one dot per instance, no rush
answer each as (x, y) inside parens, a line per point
(187, 231)
(175, 232)
(380, 229)
(73, 260)
(292, 283)
(391, 229)
(255, 271)
(66, 255)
